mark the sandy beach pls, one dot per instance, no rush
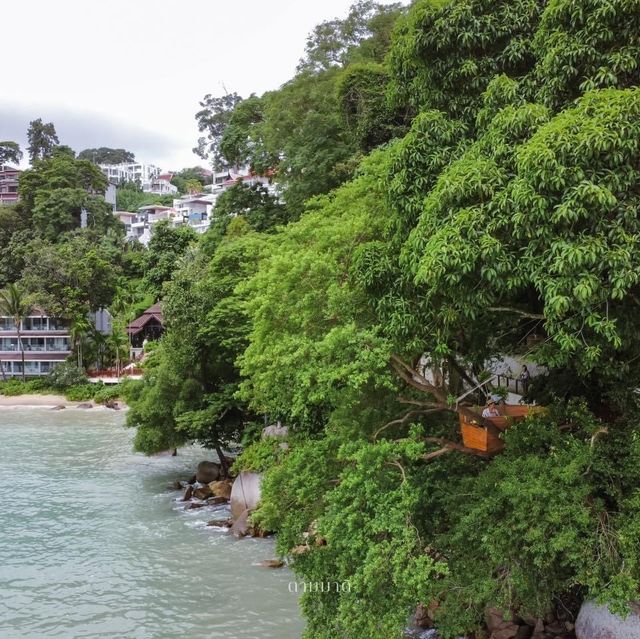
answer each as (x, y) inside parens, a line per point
(37, 400)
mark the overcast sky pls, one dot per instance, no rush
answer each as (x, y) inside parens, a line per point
(130, 73)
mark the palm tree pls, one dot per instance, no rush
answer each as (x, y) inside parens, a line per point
(15, 304)
(79, 327)
(118, 342)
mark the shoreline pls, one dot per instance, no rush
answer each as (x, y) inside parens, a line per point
(38, 401)
(33, 400)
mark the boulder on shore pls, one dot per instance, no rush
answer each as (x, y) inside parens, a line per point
(220, 523)
(207, 472)
(221, 488)
(271, 563)
(245, 493)
(241, 526)
(203, 492)
(598, 622)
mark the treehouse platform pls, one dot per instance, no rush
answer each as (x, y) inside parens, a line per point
(478, 437)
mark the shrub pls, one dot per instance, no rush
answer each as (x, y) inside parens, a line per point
(107, 393)
(66, 375)
(80, 392)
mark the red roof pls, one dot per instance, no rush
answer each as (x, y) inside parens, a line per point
(152, 313)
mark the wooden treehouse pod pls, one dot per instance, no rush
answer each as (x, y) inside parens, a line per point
(477, 437)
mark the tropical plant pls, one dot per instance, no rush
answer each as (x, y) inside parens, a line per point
(17, 305)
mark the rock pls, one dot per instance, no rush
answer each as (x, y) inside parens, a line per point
(112, 404)
(204, 492)
(240, 527)
(598, 622)
(193, 505)
(85, 406)
(275, 430)
(176, 485)
(245, 493)
(256, 531)
(498, 626)
(192, 480)
(423, 617)
(188, 493)
(300, 550)
(207, 472)
(538, 630)
(220, 523)
(216, 501)
(221, 488)
(524, 632)
(59, 407)
(271, 563)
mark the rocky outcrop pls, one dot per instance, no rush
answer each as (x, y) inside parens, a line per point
(245, 494)
(202, 492)
(207, 472)
(275, 430)
(271, 563)
(598, 622)
(221, 488)
(241, 526)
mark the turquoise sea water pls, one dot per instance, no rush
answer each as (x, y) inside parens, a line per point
(93, 545)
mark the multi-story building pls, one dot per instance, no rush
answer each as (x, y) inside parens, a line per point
(46, 342)
(194, 211)
(141, 174)
(140, 227)
(162, 185)
(9, 184)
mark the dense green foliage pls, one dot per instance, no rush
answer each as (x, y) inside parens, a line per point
(10, 152)
(447, 188)
(107, 155)
(42, 138)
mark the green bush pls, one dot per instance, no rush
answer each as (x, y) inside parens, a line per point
(66, 375)
(80, 392)
(260, 456)
(107, 393)
(14, 387)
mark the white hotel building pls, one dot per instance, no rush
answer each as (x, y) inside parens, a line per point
(46, 342)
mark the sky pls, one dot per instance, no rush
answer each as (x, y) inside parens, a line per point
(130, 73)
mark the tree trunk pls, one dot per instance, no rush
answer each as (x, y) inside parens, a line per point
(4, 377)
(24, 379)
(223, 461)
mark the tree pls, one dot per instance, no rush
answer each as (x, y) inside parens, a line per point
(15, 233)
(262, 210)
(334, 43)
(362, 92)
(15, 304)
(56, 191)
(212, 119)
(189, 388)
(107, 155)
(71, 278)
(42, 139)
(10, 152)
(445, 54)
(166, 247)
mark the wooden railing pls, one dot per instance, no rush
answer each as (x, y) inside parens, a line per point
(111, 372)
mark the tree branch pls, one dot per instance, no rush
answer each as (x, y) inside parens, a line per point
(517, 311)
